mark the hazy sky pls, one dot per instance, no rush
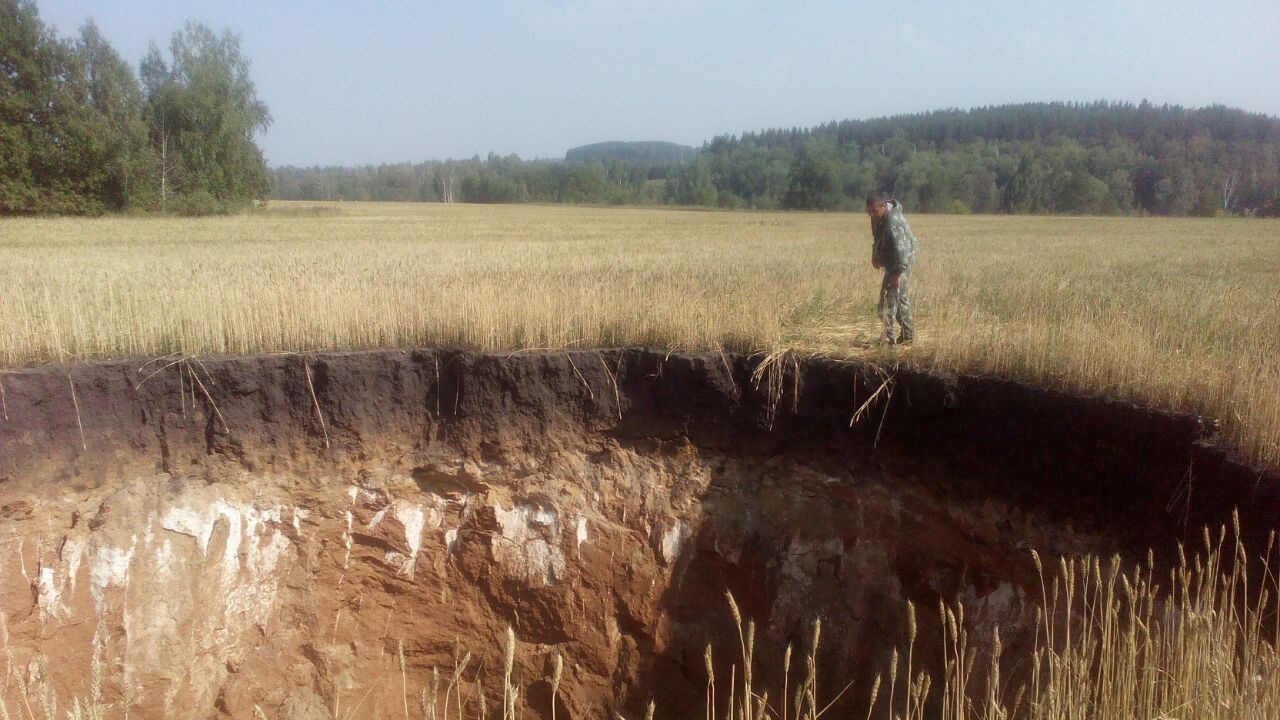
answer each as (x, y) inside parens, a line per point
(353, 83)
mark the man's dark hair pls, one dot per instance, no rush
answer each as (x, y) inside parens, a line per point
(876, 198)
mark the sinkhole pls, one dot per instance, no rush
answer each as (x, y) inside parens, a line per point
(356, 535)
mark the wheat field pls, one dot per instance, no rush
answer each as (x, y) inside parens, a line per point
(1180, 313)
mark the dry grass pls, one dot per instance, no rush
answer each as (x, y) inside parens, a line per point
(1200, 643)
(1181, 313)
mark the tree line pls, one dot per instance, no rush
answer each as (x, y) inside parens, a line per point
(1072, 158)
(82, 133)
(495, 179)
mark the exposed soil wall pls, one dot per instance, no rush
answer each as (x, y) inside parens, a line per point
(273, 531)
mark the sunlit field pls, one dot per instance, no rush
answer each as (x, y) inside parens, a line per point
(1180, 313)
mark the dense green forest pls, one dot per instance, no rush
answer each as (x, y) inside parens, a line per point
(82, 133)
(1095, 158)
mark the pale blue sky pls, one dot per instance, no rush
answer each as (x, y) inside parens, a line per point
(354, 83)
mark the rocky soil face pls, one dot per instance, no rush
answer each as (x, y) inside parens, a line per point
(314, 535)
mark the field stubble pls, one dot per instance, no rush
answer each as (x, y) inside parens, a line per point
(1182, 313)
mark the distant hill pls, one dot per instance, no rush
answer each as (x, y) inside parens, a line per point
(652, 151)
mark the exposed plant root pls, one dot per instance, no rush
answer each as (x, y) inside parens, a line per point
(613, 378)
(76, 402)
(577, 372)
(323, 426)
(772, 373)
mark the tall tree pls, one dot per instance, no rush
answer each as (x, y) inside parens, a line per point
(202, 112)
(50, 156)
(79, 135)
(25, 50)
(113, 94)
(812, 183)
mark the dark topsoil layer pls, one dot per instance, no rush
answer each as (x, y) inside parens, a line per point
(1143, 477)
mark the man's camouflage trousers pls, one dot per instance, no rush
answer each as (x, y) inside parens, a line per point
(895, 308)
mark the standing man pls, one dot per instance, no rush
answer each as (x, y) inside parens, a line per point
(893, 247)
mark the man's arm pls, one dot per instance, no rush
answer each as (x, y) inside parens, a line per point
(901, 249)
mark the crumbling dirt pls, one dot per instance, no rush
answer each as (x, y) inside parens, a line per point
(276, 531)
